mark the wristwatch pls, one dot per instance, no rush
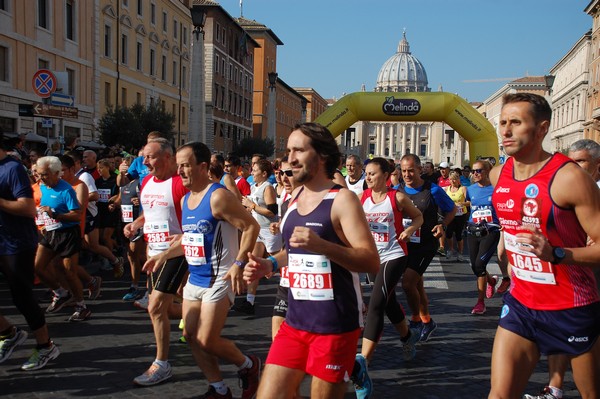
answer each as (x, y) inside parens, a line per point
(239, 263)
(559, 254)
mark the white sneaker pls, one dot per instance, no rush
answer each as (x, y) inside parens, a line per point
(449, 254)
(142, 303)
(154, 375)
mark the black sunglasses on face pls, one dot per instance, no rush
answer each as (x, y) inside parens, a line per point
(477, 170)
(287, 172)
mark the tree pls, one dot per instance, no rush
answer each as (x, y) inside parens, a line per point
(249, 146)
(129, 126)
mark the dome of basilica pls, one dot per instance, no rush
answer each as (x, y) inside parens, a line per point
(402, 72)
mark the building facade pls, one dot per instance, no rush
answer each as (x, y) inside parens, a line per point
(592, 119)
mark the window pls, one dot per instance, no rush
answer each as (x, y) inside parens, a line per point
(185, 35)
(183, 77)
(183, 118)
(107, 94)
(152, 62)
(165, 21)
(70, 81)
(43, 17)
(174, 72)
(140, 6)
(218, 32)
(216, 64)
(175, 28)
(125, 3)
(43, 64)
(123, 97)
(124, 53)
(138, 98)
(163, 74)
(107, 41)
(138, 56)
(3, 64)
(4, 5)
(153, 13)
(70, 20)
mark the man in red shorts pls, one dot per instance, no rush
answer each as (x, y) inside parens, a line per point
(553, 306)
(327, 243)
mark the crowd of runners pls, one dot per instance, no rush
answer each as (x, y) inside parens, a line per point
(203, 229)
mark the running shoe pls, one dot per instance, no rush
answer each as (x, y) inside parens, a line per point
(545, 394)
(249, 378)
(460, 257)
(8, 344)
(94, 287)
(441, 251)
(449, 254)
(504, 285)
(154, 375)
(81, 314)
(360, 377)
(212, 394)
(491, 288)
(409, 348)
(132, 294)
(59, 302)
(105, 265)
(142, 303)
(117, 267)
(416, 325)
(244, 307)
(40, 357)
(427, 330)
(479, 308)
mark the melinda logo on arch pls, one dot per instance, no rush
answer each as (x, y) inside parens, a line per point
(401, 106)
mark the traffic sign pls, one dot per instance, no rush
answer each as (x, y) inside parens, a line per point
(25, 110)
(46, 123)
(44, 83)
(55, 111)
(62, 99)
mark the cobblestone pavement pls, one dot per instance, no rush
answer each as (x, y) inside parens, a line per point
(100, 357)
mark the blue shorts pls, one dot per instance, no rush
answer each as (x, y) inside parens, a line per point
(569, 331)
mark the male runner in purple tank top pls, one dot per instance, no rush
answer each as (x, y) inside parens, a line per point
(327, 242)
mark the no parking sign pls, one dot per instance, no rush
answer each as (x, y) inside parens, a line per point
(44, 83)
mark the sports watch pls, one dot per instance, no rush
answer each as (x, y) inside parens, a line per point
(559, 254)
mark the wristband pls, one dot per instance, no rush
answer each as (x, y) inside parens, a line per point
(239, 263)
(274, 262)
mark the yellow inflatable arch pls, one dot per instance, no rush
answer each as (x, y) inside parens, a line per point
(403, 107)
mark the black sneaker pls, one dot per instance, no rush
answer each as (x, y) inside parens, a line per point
(81, 314)
(427, 330)
(59, 302)
(94, 287)
(245, 307)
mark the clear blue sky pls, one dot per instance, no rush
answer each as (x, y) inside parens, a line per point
(335, 46)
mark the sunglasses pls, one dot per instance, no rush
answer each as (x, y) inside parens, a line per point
(477, 170)
(287, 172)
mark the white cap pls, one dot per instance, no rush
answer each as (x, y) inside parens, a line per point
(444, 165)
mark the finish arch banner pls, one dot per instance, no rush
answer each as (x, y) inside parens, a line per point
(415, 107)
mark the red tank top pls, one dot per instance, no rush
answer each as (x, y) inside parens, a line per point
(538, 284)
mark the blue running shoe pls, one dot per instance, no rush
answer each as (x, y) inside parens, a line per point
(360, 377)
(428, 329)
(409, 349)
(416, 325)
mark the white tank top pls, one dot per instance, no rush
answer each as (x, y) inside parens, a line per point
(385, 223)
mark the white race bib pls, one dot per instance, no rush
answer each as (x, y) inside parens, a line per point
(103, 194)
(156, 235)
(127, 213)
(526, 265)
(416, 236)
(310, 277)
(193, 246)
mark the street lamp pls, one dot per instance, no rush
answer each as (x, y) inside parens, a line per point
(549, 82)
(271, 110)
(197, 122)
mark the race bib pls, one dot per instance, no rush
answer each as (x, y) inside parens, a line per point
(310, 277)
(380, 233)
(526, 265)
(39, 217)
(193, 246)
(49, 223)
(482, 215)
(459, 210)
(156, 235)
(127, 213)
(285, 277)
(103, 194)
(416, 236)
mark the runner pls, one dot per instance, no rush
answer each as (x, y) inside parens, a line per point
(428, 198)
(458, 194)
(160, 199)
(18, 240)
(355, 179)
(324, 231)
(384, 208)
(553, 305)
(483, 232)
(210, 221)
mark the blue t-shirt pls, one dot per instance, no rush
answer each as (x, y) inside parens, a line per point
(61, 199)
(481, 204)
(17, 233)
(465, 181)
(137, 169)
